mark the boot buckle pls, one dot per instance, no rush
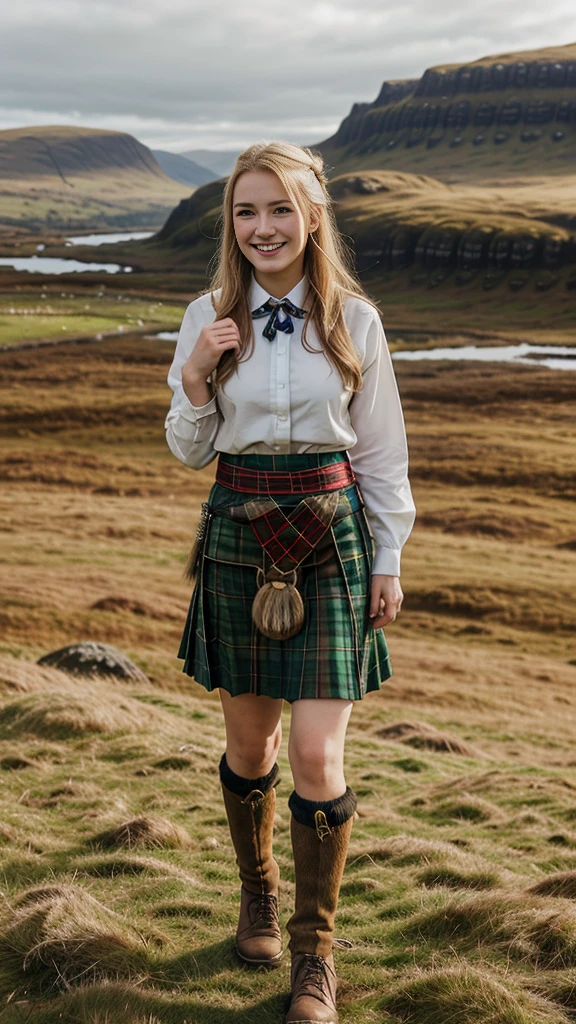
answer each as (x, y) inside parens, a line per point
(322, 827)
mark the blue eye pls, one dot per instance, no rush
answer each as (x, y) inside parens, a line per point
(283, 209)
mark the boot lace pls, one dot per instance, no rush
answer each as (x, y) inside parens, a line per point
(314, 971)
(266, 908)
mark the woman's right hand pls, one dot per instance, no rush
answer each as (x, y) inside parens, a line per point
(214, 339)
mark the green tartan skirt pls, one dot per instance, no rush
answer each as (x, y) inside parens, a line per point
(337, 653)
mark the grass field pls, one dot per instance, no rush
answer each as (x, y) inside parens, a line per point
(458, 896)
(38, 315)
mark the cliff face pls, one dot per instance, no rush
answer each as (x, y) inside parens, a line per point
(504, 115)
(194, 222)
(396, 220)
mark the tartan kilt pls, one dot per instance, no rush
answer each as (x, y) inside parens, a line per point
(337, 653)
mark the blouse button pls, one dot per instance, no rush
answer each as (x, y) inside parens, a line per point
(281, 385)
(282, 417)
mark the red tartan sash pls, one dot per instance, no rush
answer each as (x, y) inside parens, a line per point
(288, 539)
(299, 481)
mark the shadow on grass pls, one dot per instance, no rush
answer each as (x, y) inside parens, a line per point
(126, 1004)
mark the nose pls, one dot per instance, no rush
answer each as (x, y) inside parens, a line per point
(264, 229)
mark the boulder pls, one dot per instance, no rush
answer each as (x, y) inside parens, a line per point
(94, 659)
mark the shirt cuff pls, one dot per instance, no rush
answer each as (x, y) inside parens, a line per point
(386, 561)
(193, 413)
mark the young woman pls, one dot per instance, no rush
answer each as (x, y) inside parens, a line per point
(282, 371)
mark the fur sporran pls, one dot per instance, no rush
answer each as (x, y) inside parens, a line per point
(278, 608)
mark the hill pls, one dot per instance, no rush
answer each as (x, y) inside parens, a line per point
(503, 116)
(219, 161)
(59, 176)
(397, 220)
(182, 169)
(411, 232)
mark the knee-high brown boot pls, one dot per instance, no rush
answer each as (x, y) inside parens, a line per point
(320, 833)
(250, 806)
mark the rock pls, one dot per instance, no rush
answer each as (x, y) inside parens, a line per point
(94, 659)
(449, 99)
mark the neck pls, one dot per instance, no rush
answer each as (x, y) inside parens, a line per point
(281, 283)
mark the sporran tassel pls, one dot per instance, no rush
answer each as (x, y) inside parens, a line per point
(278, 608)
(193, 563)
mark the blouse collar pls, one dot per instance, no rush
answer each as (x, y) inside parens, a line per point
(257, 296)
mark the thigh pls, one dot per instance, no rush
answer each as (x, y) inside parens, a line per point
(253, 731)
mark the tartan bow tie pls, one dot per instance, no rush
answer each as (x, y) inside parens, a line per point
(273, 307)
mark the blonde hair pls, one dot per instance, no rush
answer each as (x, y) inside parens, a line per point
(326, 261)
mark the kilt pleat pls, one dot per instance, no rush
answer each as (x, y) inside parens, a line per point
(337, 653)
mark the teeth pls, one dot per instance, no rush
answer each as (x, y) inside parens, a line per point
(269, 248)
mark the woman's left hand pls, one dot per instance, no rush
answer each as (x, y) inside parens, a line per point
(385, 599)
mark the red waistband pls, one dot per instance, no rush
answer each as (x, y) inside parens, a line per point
(299, 481)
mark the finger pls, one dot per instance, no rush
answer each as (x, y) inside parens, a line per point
(225, 342)
(386, 613)
(226, 333)
(226, 324)
(383, 620)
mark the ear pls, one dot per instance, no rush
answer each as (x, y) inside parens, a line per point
(314, 219)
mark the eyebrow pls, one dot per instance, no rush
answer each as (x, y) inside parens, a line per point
(276, 202)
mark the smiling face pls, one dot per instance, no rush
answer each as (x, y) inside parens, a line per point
(270, 229)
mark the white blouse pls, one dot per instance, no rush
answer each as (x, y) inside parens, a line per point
(284, 399)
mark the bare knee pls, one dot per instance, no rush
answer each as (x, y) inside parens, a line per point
(317, 769)
(252, 755)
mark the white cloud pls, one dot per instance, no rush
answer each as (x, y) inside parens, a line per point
(223, 73)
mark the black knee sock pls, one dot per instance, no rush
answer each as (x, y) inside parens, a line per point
(241, 786)
(337, 811)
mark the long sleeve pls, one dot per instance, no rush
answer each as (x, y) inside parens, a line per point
(380, 456)
(190, 429)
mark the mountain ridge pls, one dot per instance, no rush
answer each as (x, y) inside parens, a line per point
(493, 117)
(65, 176)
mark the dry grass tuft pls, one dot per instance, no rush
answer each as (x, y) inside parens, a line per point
(43, 892)
(7, 834)
(182, 908)
(561, 883)
(146, 831)
(468, 995)
(404, 850)
(61, 716)
(426, 737)
(465, 807)
(20, 676)
(64, 938)
(110, 867)
(173, 763)
(118, 604)
(15, 763)
(452, 877)
(502, 924)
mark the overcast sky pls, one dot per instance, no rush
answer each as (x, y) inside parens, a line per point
(220, 74)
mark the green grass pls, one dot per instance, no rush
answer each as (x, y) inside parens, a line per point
(441, 922)
(53, 316)
(118, 879)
